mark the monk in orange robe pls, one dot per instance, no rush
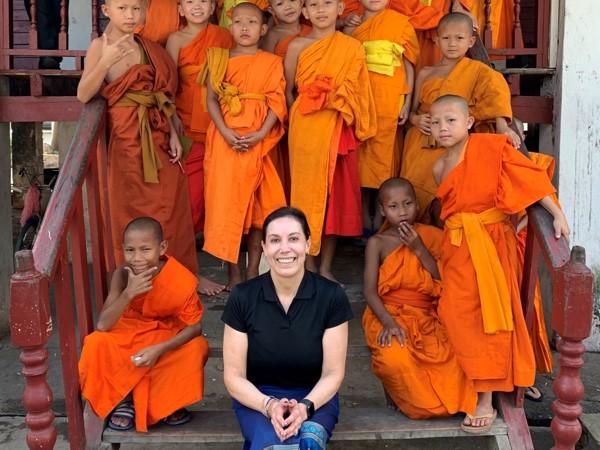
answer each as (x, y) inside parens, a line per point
(188, 48)
(392, 50)
(334, 107)
(410, 350)
(246, 100)
(147, 356)
(483, 180)
(485, 89)
(160, 21)
(145, 174)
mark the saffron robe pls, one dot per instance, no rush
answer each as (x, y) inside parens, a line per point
(162, 19)
(488, 96)
(333, 92)
(502, 20)
(129, 195)
(423, 378)
(379, 156)
(191, 108)
(108, 375)
(492, 176)
(283, 44)
(242, 188)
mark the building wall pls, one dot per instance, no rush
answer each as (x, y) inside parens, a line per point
(578, 132)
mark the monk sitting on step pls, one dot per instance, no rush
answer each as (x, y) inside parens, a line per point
(410, 351)
(483, 180)
(145, 361)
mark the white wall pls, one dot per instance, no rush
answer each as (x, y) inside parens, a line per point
(578, 137)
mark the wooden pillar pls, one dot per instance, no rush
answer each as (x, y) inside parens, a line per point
(31, 326)
(6, 244)
(571, 319)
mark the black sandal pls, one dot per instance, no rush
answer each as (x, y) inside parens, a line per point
(125, 410)
(185, 418)
(534, 394)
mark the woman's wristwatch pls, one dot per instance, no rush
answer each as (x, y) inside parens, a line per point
(310, 407)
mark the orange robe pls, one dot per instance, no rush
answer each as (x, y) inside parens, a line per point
(501, 20)
(334, 95)
(191, 108)
(129, 195)
(283, 44)
(488, 96)
(379, 156)
(423, 378)
(162, 19)
(493, 178)
(242, 188)
(106, 372)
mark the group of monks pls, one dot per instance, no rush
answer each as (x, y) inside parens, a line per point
(224, 126)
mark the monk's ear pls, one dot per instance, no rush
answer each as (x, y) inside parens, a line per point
(472, 41)
(263, 29)
(213, 5)
(163, 247)
(470, 122)
(104, 9)
(341, 7)
(379, 205)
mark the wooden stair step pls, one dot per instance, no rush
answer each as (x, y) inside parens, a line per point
(356, 424)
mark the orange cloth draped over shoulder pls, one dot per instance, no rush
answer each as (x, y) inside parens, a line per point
(494, 179)
(539, 335)
(423, 378)
(106, 372)
(388, 38)
(334, 91)
(282, 46)
(242, 188)
(162, 19)
(191, 108)
(488, 96)
(129, 195)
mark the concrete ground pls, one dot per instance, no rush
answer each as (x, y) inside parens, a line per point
(360, 388)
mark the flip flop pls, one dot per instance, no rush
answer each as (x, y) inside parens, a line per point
(534, 394)
(185, 418)
(124, 409)
(479, 430)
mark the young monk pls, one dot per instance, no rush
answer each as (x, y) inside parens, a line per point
(484, 179)
(246, 101)
(332, 110)
(392, 50)
(286, 14)
(145, 174)
(485, 89)
(147, 356)
(410, 351)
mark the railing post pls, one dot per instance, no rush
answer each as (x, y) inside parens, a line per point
(488, 37)
(31, 325)
(62, 34)
(517, 32)
(571, 319)
(33, 39)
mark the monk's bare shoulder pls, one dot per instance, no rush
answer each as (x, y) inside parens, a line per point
(271, 40)
(425, 73)
(174, 44)
(299, 44)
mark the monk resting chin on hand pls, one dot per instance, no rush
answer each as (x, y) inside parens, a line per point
(145, 361)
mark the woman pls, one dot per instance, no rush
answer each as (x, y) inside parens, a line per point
(284, 346)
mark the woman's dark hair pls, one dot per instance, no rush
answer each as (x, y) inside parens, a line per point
(286, 211)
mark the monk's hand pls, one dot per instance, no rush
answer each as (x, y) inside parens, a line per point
(139, 284)
(352, 20)
(422, 122)
(113, 53)
(515, 139)
(175, 148)
(177, 124)
(410, 237)
(391, 329)
(148, 356)
(251, 139)
(233, 139)
(404, 113)
(278, 410)
(561, 226)
(298, 414)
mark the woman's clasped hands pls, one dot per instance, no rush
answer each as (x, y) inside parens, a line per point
(287, 416)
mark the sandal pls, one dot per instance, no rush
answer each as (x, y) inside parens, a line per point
(185, 417)
(479, 430)
(534, 394)
(124, 410)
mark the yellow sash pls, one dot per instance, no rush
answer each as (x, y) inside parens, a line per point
(493, 288)
(144, 100)
(230, 95)
(383, 56)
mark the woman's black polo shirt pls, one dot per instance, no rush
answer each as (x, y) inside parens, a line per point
(286, 350)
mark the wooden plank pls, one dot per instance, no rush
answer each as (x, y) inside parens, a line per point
(6, 243)
(355, 424)
(518, 431)
(39, 109)
(533, 109)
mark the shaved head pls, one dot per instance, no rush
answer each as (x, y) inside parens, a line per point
(456, 18)
(455, 100)
(145, 224)
(393, 183)
(249, 6)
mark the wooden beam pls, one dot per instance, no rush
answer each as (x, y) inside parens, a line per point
(39, 109)
(533, 109)
(6, 243)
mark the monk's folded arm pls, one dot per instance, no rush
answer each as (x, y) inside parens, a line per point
(371, 277)
(214, 108)
(93, 74)
(181, 338)
(117, 300)
(428, 261)
(269, 122)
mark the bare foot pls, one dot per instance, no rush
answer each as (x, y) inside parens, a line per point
(389, 402)
(484, 413)
(209, 287)
(327, 274)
